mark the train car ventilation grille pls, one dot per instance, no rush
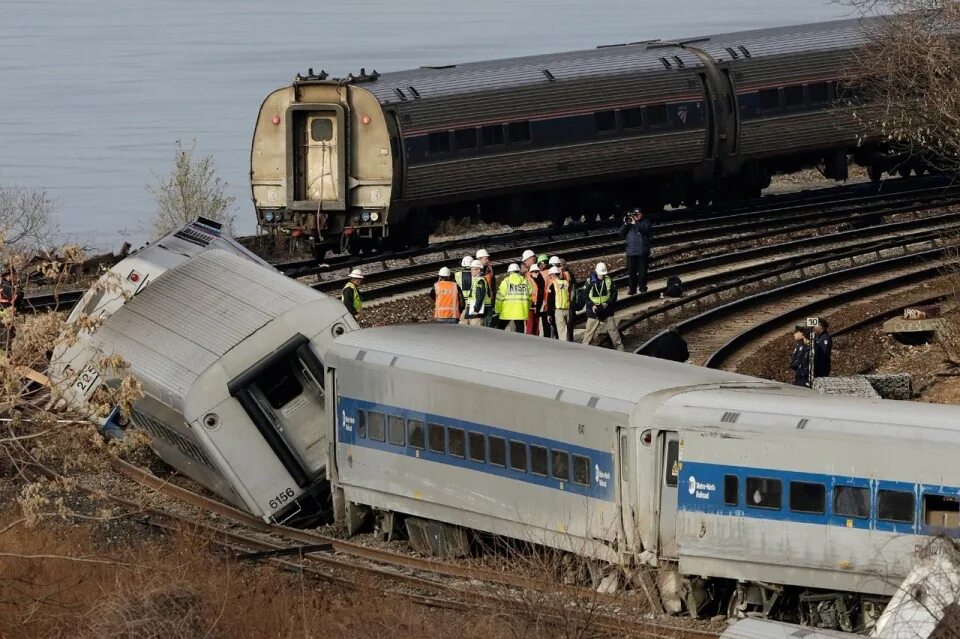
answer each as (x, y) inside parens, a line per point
(665, 63)
(360, 355)
(679, 62)
(439, 66)
(414, 93)
(730, 417)
(593, 402)
(400, 93)
(161, 432)
(746, 53)
(549, 75)
(733, 54)
(802, 423)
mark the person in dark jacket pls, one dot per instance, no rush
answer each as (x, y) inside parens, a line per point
(670, 346)
(823, 349)
(636, 232)
(800, 358)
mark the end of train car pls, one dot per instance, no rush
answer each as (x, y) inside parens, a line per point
(228, 353)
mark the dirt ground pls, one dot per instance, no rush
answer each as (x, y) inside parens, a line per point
(870, 350)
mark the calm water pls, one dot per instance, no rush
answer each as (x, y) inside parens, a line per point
(93, 93)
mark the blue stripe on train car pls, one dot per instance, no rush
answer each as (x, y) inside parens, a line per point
(701, 489)
(601, 469)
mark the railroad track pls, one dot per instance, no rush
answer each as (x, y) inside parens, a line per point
(313, 549)
(677, 237)
(300, 268)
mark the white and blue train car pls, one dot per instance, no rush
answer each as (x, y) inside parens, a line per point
(532, 439)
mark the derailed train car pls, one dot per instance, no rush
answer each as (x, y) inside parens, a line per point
(227, 351)
(749, 497)
(377, 158)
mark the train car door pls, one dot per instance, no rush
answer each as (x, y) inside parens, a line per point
(321, 163)
(669, 474)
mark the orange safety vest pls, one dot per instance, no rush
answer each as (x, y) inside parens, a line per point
(447, 305)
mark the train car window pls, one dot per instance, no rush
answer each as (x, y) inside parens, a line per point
(851, 501)
(560, 465)
(895, 505)
(808, 498)
(492, 135)
(671, 473)
(581, 470)
(396, 430)
(731, 490)
(362, 424)
(632, 118)
(605, 121)
(279, 384)
(466, 139)
(436, 439)
(793, 95)
(624, 465)
(321, 130)
(456, 442)
(415, 433)
(376, 425)
(818, 92)
(498, 451)
(538, 460)
(656, 115)
(769, 99)
(518, 132)
(763, 492)
(478, 447)
(439, 142)
(518, 456)
(941, 511)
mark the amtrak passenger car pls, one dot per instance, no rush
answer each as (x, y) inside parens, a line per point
(748, 496)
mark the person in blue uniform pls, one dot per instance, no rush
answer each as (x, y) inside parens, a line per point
(823, 349)
(800, 358)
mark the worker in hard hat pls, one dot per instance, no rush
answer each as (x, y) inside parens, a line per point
(478, 297)
(558, 304)
(513, 300)
(462, 277)
(447, 298)
(568, 275)
(601, 295)
(528, 259)
(350, 295)
(487, 271)
(538, 301)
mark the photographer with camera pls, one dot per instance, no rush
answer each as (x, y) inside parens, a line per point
(636, 231)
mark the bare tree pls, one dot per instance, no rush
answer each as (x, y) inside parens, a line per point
(26, 219)
(905, 83)
(192, 189)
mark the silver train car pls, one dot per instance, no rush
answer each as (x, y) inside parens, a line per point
(748, 497)
(227, 351)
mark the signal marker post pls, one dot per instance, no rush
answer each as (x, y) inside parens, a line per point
(811, 323)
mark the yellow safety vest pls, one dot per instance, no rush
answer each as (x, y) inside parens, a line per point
(356, 296)
(458, 278)
(601, 295)
(472, 295)
(513, 297)
(561, 294)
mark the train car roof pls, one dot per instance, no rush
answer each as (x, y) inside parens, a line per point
(176, 328)
(451, 79)
(570, 372)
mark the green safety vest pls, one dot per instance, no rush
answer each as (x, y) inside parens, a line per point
(561, 293)
(601, 295)
(513, 298)
(356, 296)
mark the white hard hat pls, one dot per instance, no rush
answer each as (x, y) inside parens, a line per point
(476, 264)
(466, 261)
(554, 260)
(444, 272)
(601, 268)
(513, 268)
(356, 274)
(554, 270)
(534, 268)
(527, 255)
(482, 253)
